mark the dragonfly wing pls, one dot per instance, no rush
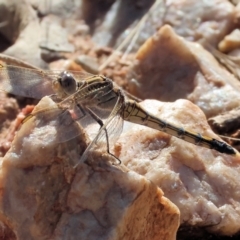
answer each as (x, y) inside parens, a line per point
(33, 83)
(108, 133)
(25, 82)
(60, 121)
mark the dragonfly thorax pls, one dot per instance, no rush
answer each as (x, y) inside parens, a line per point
(67, 82)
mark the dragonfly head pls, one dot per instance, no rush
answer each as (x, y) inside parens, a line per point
(67, 83)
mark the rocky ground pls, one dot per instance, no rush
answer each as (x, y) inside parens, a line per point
(182, 58)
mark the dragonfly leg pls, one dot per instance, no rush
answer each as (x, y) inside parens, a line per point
(100, 122)
(83, 113)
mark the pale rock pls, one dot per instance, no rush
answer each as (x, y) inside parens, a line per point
(167, 68)
(89, 64)
(197, 20)
(204, 21)
(54, 39)
(59, 8)
(43, 196)
(26, 46)
(203, 183)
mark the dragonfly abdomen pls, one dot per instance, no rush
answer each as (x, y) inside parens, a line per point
(133, 112)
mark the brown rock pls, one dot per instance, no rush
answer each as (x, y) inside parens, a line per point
(167, 68)
(16, 15)
(230, 42)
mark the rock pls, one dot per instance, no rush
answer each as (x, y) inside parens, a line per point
(26, 46)
(103, 51)
(205, 22)
(32, 34)
(22, 30)
(62, 65)
(54, 36)
(230, 42)
(167, 68)
(94, 11)
(226, 123)
(47, 40)
(45, 197)
(8, 112)
(235, 2)
(237, 14)
(57, 7)
(16, 15)
(203, 183)
(121, 15)
(89, 64)
(201, 21)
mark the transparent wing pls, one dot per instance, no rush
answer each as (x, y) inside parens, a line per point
(58, 121)
(31, 83)
(25, 82)
(65, 122)
(109, 132)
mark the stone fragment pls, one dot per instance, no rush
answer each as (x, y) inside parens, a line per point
(230, 41)
(206, 22)
(89, 64)
(203, 183)
(45, 197)
(167, 68)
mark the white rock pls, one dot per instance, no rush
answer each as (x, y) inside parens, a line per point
(203, 183)
(45, 197)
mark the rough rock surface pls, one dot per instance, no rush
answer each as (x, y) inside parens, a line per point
(22, 29)
(203, 183)
(176, 69)
(230, 42)
(167, 68)
(8, 112)
(203, 21)
(44, 197)
(121, 15)
(31, 37)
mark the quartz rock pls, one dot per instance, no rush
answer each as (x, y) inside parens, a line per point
(203, 183)
(48, 193)
(168, 68)
(206, 22)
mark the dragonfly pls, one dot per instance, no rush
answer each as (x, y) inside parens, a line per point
(93, 98)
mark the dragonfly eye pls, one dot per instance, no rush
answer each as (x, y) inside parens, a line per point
(68, 83)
